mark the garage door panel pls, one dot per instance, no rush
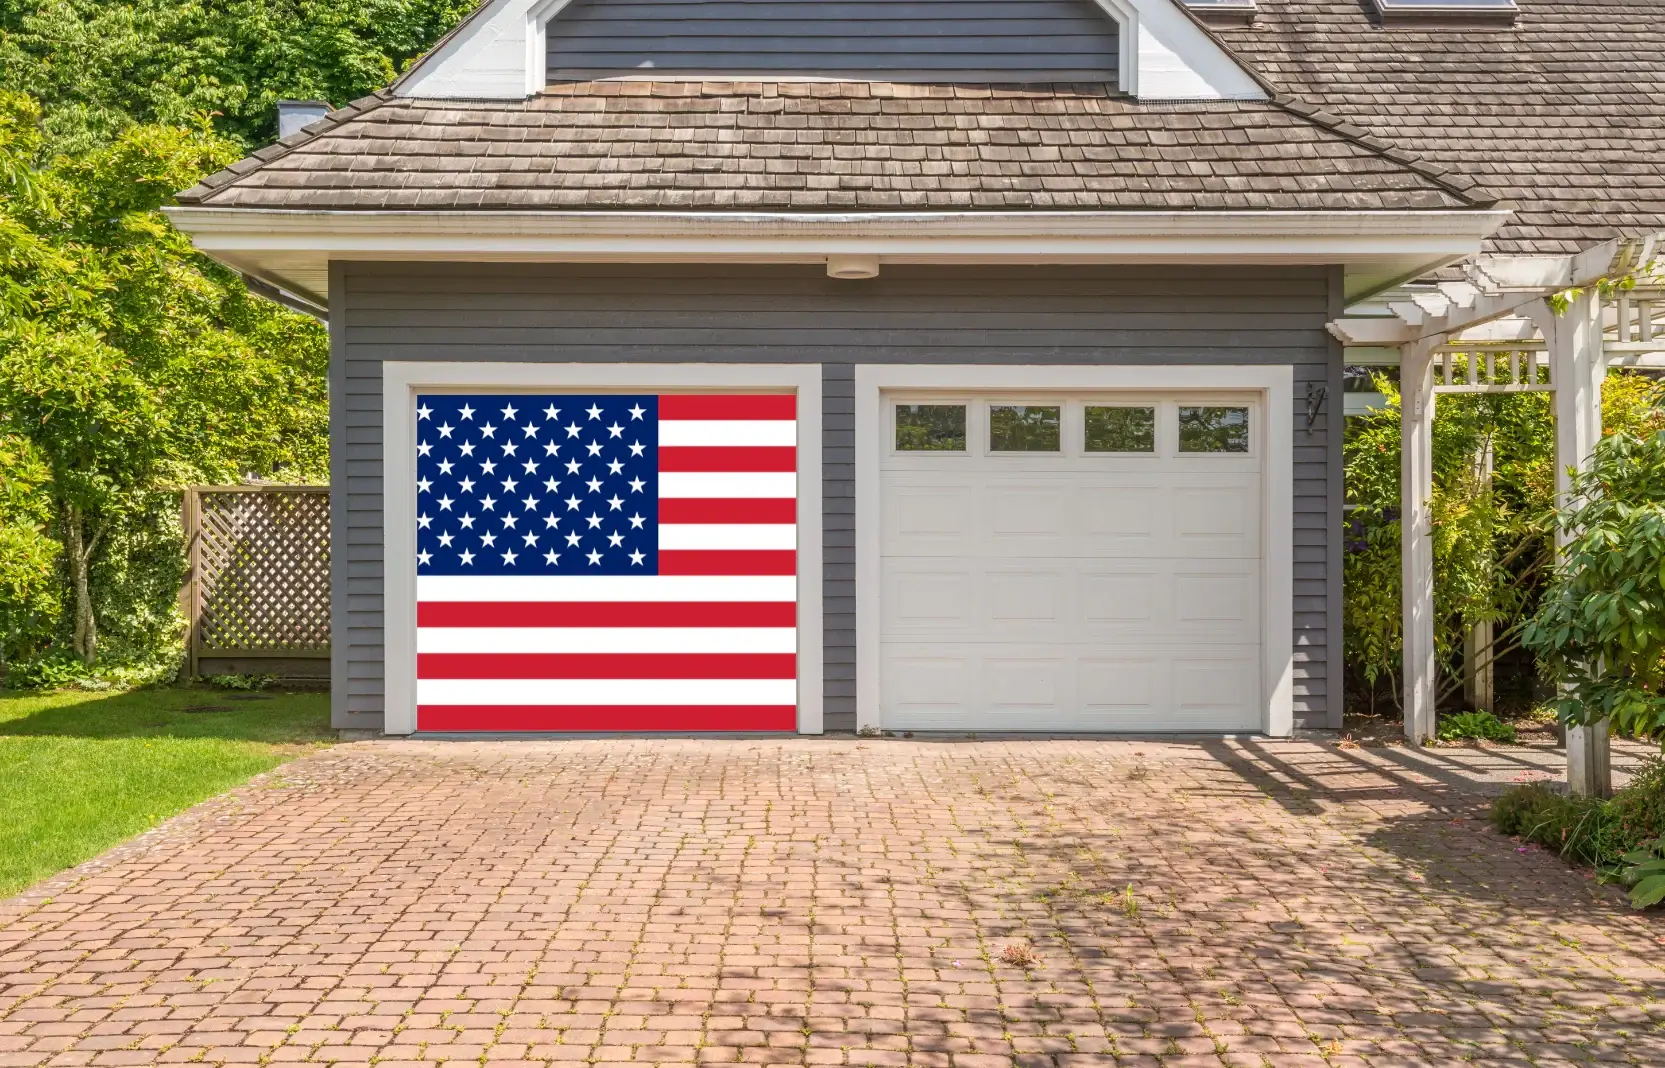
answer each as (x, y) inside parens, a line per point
(1116, 519)
(1221, 519)
(1070, 600)
(929, 516)
(1221, 599)
(937, 680)
(939, 599)
(1126, 684)
(1045, 687)
(1197, 516)
(1025, 598)
(1015, 683)
(1119, 598)
(1212, 693)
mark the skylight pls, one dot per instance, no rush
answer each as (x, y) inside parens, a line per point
(1447, 10)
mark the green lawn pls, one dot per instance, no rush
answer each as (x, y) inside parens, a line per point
(80, 772)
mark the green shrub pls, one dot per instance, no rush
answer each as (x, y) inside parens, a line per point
(59, 669)
(242, 682)
(1586, 830)
(1640, 807)
(1476, 726)
(1644, 874)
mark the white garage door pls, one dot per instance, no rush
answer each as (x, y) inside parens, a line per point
(1089, 562)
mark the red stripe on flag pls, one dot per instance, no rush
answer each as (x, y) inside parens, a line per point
(728, 510)
(741, 406)
(728, 458)
(606, 666)
(607, 614)
(606, 718)
(728, 562)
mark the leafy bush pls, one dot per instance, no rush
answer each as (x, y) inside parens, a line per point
(1475, 726)
(59, 669)
(1644, 874)
(1640, 806)
(1586, 830)
(1492, 539)
(1579, 829)
(1601, 628)
(241, 682)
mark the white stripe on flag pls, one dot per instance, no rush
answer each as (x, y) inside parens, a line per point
(728, 432)
(721, 536)
(714, 588)
(727, 484)
(606, 640)
(606, 691)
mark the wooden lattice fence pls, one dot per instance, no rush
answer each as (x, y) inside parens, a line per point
(257, 597)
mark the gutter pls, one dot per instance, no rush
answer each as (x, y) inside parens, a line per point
(367, 231)
(291, 248)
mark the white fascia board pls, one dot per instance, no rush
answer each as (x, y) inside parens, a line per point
(1287, 237)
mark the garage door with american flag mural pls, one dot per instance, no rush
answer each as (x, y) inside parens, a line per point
(606, 562)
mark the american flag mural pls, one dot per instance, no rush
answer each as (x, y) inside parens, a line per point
(606, 562)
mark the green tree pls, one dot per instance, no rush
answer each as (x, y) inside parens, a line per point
(1600, 629)
(101, 67)
(29, 600)
(1493, 536)
(128, 362)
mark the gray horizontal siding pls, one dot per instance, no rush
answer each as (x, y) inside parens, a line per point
(1055, 39)
(621, 314)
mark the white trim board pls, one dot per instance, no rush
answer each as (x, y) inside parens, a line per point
(1276, 385)
(400, 383)
(499, 54)
(292, 248)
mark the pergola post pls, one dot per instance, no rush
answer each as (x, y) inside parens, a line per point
(1416, 490)
(1574, 339)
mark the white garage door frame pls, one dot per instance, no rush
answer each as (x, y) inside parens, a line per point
(1273, 383)
(402, 381)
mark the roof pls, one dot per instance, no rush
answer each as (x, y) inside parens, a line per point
(818, 146)
(1558, 116)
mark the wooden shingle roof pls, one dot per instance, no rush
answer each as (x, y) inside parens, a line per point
(819, 146)
(1561, 116)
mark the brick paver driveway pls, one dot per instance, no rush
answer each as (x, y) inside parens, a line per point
(832, 901)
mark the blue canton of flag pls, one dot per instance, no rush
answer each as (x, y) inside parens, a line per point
(526, 484)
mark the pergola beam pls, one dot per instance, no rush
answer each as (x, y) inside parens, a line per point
(1498, 286)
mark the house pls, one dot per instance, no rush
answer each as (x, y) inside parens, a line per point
(978, 359)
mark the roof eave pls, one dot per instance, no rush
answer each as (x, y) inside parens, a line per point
(292, 248)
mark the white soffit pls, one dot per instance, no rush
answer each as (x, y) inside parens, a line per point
(292, 249)
(498, 54)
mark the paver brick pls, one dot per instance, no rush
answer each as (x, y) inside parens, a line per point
(830, 902)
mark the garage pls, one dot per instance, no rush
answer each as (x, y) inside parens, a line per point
(1071, 561)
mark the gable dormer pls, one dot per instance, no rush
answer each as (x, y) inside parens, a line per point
(892, 40)
(1151, 49)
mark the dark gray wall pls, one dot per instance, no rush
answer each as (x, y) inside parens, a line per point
(780, 314)
(1069, 40)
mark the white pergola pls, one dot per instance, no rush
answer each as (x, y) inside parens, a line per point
(1501, 317)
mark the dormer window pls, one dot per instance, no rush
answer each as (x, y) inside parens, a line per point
(1449, 12)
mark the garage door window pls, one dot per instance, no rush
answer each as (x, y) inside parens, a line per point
(1119, 429)
(1025, 428)
(1213, 429)
(930, 428)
